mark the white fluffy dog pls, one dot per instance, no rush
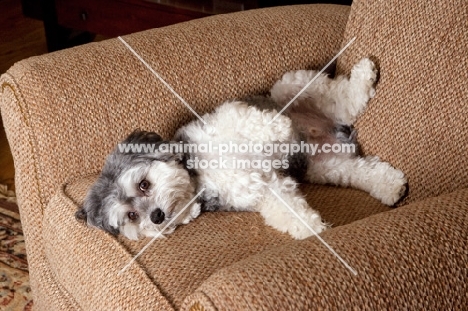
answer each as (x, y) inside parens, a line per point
(144, 194)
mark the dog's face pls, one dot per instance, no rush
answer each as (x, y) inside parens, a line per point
(140, 194)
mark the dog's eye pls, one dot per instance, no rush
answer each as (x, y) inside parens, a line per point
(132, 215)
(144, 185)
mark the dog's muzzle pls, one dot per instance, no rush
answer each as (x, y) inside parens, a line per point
(157, 216)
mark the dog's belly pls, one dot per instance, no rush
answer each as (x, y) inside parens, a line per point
(230, 179)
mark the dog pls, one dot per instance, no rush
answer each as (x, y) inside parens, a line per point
(148, 194)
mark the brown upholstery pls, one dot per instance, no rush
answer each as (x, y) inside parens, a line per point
(63, 112)
(213, 241)
(417, 121)
(405, 260)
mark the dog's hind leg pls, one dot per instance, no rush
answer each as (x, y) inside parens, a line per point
(370, 174)
(352, 95)
(341, 99)
(284, 208)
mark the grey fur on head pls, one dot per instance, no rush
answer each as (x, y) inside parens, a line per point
(110, 191)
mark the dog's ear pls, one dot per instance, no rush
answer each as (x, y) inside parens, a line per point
(170, 150)
(94, 209)
(149, 145)
(142, 137)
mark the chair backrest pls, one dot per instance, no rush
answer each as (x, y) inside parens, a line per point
(417, 121)
(75, 105)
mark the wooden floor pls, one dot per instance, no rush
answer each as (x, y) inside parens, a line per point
(20, 37)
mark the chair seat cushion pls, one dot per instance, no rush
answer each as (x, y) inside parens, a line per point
(87, 261)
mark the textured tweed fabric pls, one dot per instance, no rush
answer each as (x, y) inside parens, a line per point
(412, 258)
(87, 262)
(63, 112)
(179, 264)
(92, 97)
(417, 121)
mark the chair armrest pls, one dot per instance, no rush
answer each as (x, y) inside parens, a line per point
(412, 258)
(69, 108)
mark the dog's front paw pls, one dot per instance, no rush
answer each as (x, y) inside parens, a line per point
(195, 211)
(392, 186)
(364, 76)
(396, 190)
(298, 230)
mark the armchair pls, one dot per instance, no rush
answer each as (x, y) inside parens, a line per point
(63, 112)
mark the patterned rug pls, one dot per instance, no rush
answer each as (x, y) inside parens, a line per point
(15, 293)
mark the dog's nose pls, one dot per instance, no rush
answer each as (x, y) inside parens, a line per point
(157, 216)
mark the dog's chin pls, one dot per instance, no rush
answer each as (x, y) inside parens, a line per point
(134, 232)
(152, 233)
(138, 232)
(130, 231)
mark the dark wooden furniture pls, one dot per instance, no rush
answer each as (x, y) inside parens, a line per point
(71, 22)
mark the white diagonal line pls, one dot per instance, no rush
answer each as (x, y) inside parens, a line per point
(315, 233)
(159, 233)
(311, 81)
(161, 79)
